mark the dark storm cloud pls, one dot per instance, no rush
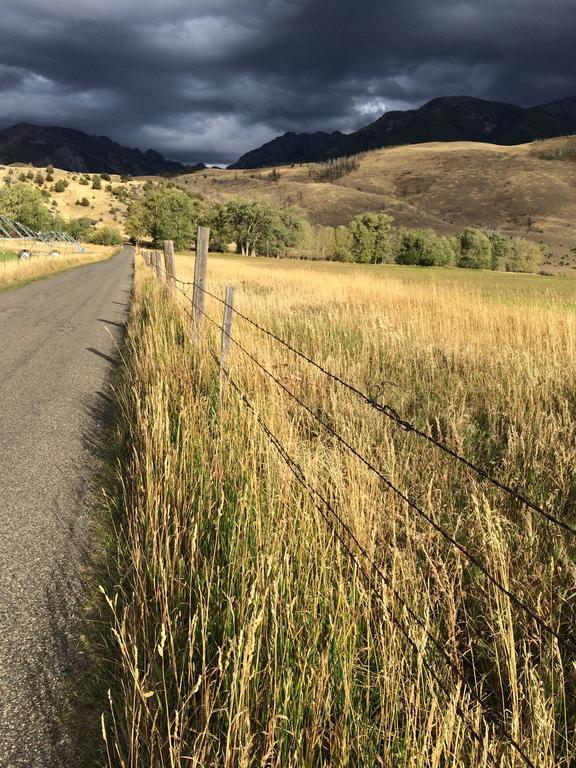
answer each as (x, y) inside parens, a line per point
(208, 79)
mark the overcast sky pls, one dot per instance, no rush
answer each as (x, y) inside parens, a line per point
(206, 80)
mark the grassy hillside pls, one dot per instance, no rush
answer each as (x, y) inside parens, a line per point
(104, 207)
(444, 187)
(527, 190)
(243, 633)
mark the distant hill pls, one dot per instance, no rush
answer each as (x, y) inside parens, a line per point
(442, 186)
(458, 118)
(74, 150)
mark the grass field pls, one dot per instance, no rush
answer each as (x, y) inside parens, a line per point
(14, 272)
(243, 634)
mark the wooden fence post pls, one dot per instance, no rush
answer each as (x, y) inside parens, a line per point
(200, 263)
(226, 338)
(158, 264)
(170, 263)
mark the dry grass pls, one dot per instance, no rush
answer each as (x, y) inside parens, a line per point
(14, 272)
(243, 636)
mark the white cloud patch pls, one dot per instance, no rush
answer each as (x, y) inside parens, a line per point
(370, 107)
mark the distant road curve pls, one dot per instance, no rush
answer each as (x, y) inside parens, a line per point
(58, 347)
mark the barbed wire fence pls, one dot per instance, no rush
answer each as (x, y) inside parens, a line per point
(369, 571)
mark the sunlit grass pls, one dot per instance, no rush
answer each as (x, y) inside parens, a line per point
(244, 636)
(15, 272)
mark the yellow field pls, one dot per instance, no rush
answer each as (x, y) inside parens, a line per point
(245, 634)
(14, 272)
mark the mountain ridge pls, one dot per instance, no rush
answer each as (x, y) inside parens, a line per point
(74, 150)
(445, 118)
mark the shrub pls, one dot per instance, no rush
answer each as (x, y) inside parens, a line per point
(105, 177)
(96, 182)
(81, 229)
(60, 185)
(107, 236)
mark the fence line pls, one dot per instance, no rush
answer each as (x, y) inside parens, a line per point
(323, 505)
(407, 426)
(325, 508)
(471, 557)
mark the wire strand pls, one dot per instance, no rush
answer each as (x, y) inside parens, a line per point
(471, 557)
(324, 506)
(390, 413)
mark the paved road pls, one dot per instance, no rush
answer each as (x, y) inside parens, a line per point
(57, 350)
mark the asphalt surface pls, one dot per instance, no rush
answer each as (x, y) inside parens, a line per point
(58, 348)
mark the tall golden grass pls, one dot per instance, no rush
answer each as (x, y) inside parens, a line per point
(243, 634)
(17, 272)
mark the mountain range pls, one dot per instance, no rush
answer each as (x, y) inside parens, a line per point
(73, 150)
(456, 118)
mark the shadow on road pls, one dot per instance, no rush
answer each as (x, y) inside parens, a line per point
(104, 356)
(122, 326)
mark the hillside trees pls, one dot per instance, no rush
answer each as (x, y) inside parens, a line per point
(419, 247)
(25, 204)
(165, 213)
(475, 249)
(258, 227)
(501, 247)
(371, 238)
(523, 256)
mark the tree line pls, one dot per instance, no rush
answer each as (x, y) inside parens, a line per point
(265, 228)
(164, 211)
(371, 238)
(256, 227)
